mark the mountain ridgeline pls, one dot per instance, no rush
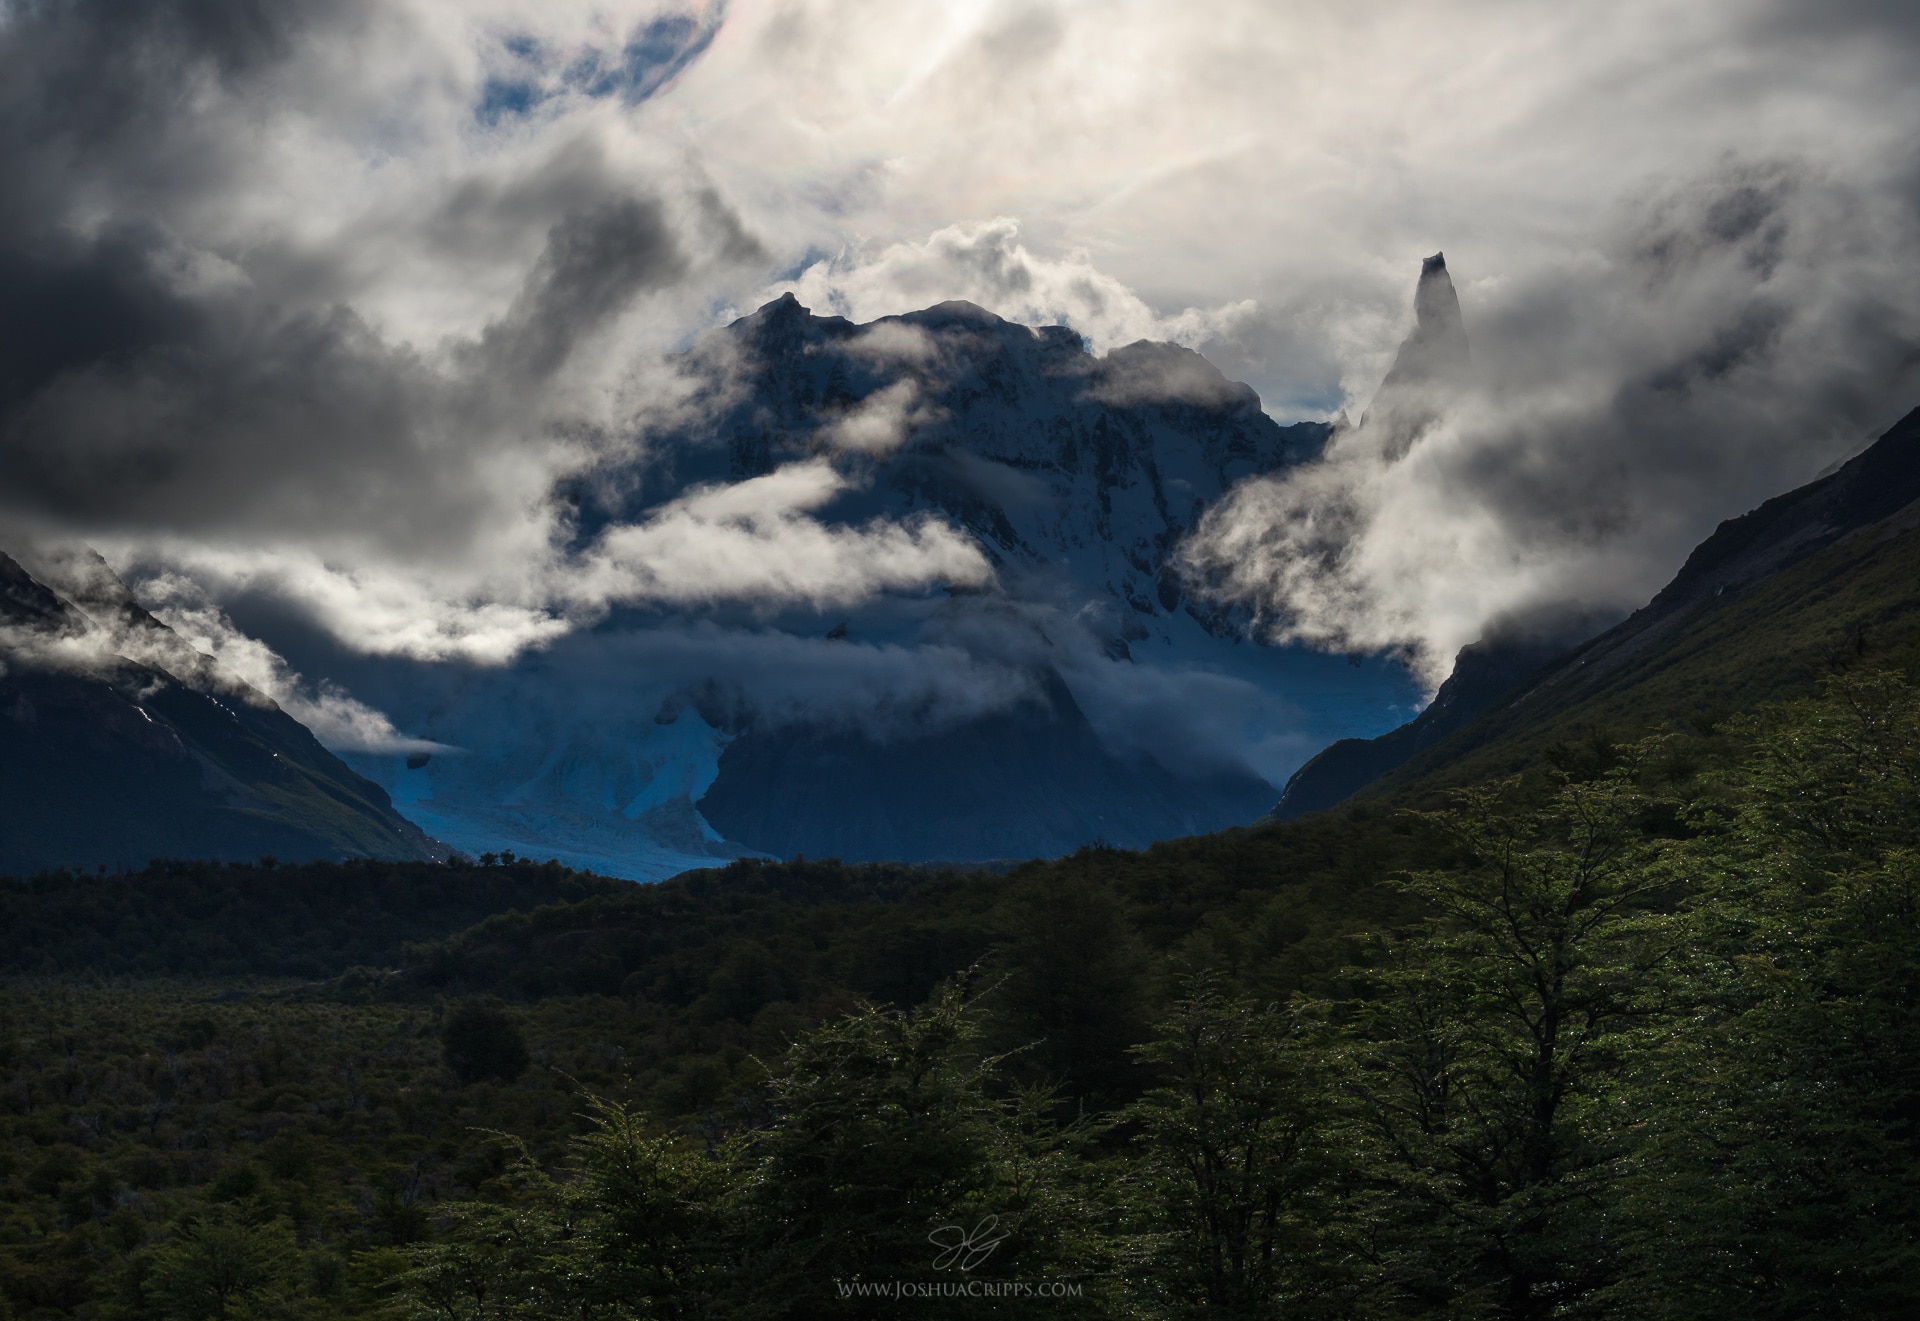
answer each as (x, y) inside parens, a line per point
(1773, 599)
(119, 743)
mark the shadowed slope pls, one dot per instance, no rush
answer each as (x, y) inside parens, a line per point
(1806, 583)
(106, 760)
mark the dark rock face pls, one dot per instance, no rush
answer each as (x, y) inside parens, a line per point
(1017, 434)
(1437, 349)
(114, 761)
(1433, 361)
(1033, 781)
(1873, 485)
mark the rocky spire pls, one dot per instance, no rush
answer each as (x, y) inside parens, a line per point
(1436, 351)
(1433, 361)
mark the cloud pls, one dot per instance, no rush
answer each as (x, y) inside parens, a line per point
(322, 328)
(335, 716)
(1685, 236)
(754, 540)
(753, 543)
(880, 423)
(342, 303)
(198, 646)
(774, 678)
(1732, 336)
(984, 262)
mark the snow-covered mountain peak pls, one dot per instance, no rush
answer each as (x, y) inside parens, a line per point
(1079, 695)
(1058, 461)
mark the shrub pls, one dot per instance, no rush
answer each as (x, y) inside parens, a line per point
(482, 1041)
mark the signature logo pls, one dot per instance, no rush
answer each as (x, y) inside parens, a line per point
(963, 1249)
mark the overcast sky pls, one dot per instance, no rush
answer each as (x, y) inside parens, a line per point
(321, 297)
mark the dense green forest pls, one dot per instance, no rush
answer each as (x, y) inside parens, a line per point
(1632, 1034)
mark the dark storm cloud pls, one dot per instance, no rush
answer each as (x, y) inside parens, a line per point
(97, 106)
(595, 261)
(156, 408)
(1894, 21)
(162, 369)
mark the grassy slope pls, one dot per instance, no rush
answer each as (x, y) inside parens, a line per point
(294, 782)
(1857, 598)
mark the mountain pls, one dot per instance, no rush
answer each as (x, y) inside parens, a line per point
(1076, 473)
(1052, 457)
(1434, 360)
(1809, 581)
(1034, 777)
(1081, 696)
(1481, 673)
(120, 743)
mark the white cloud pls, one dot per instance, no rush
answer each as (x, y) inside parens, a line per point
(754, 540)
(336, 717)
(881, 422)
(1728, 339)
(1584, 169)
(985, 263)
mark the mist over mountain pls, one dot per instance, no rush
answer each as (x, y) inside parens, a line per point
(1081, 693)
(375, 347)
(1802, 588)
(1432, 368)
(119, 743)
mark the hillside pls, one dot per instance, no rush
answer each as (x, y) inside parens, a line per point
(119, 743)
(1822, 577)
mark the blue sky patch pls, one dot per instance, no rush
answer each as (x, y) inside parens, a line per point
(653, 55)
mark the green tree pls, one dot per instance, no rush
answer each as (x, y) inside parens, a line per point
(652, 1217)
(1069, 1004)
(1782, 1178)
(220, 1266)
(515, 1257)
(1487, 1057)
(893, 1146)
(893, 1138)
(482, 1041)
(1230, 1157)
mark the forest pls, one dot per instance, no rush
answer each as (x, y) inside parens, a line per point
(1633, 1033)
